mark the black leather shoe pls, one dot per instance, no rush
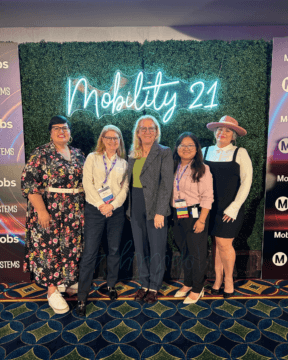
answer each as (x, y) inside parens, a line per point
(215, 292)
(81, 308)
(112, 293)
(227, 295)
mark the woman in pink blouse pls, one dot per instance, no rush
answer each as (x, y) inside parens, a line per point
(192, 201)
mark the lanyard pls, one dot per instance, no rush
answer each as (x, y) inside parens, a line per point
(106, 168)
(178, 178)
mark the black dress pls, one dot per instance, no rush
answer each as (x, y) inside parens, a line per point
(226, 183)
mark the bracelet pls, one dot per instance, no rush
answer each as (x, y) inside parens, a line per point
(201, 222)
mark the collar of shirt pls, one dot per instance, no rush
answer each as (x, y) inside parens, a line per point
(112, 158)
(226, 148)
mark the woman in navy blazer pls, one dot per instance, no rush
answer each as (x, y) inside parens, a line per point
(150, 175)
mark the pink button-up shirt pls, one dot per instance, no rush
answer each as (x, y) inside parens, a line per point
(194, 192)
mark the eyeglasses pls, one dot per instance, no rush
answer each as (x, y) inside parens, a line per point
(149, 129)
(189, 147)
(111, 138)
(59, 128)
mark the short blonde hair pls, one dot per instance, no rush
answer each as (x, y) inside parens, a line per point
(100, 147)
(136, 147)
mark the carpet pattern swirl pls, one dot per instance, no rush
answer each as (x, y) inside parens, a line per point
(252, 325)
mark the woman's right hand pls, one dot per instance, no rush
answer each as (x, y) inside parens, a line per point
(44, 219)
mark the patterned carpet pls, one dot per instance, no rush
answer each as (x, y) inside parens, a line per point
(253, 325)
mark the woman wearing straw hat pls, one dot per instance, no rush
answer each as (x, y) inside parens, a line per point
(232, 171)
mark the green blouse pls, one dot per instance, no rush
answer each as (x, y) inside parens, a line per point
(137, 168)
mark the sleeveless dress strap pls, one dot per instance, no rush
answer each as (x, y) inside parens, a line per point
(235, 154)
(206, 151)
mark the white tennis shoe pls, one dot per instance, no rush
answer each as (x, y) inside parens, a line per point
(57, 303)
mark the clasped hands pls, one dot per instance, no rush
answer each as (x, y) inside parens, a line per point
(106, 209)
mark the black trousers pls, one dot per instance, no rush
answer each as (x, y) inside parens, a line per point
(95, 223)
(150, 243)
(193, 248)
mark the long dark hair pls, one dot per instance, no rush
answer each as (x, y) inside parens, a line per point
(197, 165)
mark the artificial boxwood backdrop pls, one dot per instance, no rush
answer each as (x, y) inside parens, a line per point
(242, 67)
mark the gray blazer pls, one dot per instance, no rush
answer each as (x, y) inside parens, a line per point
(157, 178)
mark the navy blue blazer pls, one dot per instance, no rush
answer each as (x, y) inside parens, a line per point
(157, 178)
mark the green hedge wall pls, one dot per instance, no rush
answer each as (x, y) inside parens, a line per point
(242, 67)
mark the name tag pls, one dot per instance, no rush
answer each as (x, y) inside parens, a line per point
(106, 194)
(194, 213)
(181, 208)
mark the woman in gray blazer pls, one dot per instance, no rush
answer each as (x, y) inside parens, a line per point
(150, 175)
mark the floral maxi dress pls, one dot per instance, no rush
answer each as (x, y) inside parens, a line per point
(53, 254)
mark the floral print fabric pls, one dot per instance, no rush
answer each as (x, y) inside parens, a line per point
(53, 254)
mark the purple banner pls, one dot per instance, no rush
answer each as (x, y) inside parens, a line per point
(12, 159)
(275, 250)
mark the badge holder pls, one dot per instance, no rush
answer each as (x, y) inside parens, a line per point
(181, 209)
(195, 213)
(106, 194)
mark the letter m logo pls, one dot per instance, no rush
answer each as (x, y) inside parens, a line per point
(279, 260)
(284, 147)
(282, 204)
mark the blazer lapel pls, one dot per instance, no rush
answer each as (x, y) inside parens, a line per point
(130, 168)
(151, 156)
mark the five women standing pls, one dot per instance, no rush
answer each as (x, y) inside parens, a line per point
(52, 181)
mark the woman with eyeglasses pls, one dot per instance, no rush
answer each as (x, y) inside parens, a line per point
(192, 200)
(52, 182)
(106, 186)
(150, 175)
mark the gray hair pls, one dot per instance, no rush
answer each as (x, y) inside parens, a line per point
(234, 136)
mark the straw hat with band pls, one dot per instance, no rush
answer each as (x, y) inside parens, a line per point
(230, 123)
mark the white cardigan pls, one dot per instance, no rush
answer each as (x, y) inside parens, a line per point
(94, 175)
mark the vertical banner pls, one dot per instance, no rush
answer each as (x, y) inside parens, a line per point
(12, 159)
(275, 245)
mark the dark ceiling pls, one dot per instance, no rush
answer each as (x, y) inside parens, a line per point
(104, 13)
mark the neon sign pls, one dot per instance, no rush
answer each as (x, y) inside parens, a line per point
(144, 91)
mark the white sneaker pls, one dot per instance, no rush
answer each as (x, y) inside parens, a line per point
(57, 303)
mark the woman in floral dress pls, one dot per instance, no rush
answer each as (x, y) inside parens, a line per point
(52, 182)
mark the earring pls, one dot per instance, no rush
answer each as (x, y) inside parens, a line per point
(70, 140)
(50, 139)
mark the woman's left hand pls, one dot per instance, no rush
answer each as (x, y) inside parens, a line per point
(227, 218)
(159, 221)
(198, 227)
